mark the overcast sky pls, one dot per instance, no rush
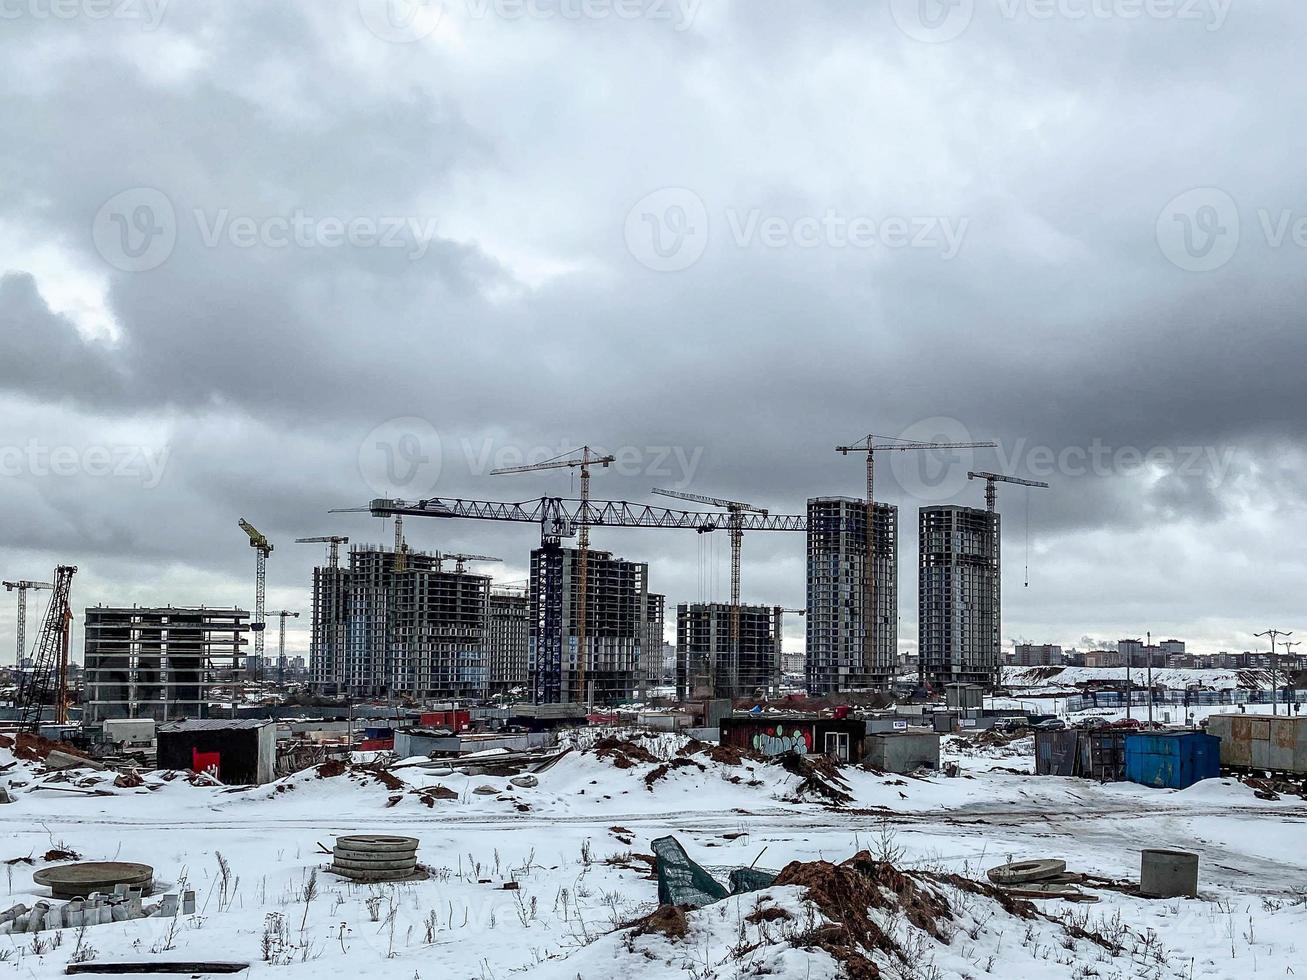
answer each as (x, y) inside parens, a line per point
(263, 259)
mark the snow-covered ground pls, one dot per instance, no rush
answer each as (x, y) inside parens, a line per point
(573, 844)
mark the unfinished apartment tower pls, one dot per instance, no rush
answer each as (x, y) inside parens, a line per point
(163, 663)
(706, 661)
(329, 633)
(508, 639)
(837, 586)
(651, 650)
(617, 609)
(957, 587)
(412, 628)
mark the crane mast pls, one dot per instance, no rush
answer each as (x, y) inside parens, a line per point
(263, 548)
(21, 587)
(871, 445)
(996, 599)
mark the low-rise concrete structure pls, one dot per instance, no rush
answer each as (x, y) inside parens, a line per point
(902, 752)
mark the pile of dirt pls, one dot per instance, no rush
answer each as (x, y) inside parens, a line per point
(846, 893)
(667, 920)
(624, 753)
(729, 755)
(654, 775)
(34, 748)
(362, 774)
(993, 738)
(820, 777)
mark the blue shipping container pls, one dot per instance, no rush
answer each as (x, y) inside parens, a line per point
(1173, 760)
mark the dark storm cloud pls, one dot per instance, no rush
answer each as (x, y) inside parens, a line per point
(514, 320)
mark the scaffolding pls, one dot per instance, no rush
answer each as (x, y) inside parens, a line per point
(163, 663)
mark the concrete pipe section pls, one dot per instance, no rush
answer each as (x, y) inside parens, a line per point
(375, 857)
(88, 877)
(1025, 872)
(1168, 874)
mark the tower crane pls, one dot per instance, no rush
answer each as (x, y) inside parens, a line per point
(991, 505)
(333, 543)
(871, 445)
(734, 508)
(461, 560)
(21, 587)
(284, 614)
(49, 658)
(263, 546)
(587, 457)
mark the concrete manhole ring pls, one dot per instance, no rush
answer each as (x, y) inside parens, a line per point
(1024, 872)
(86, 877)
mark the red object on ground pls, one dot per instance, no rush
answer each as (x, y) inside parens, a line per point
(841, 711)
(206, 761)
(455, 721)
(377, 745)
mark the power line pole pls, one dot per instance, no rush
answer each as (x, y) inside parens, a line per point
(1274, 635)
(1288, 649)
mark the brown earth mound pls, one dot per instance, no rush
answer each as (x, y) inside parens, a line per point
(846, 892)
(669, 920)
(820, 777)
(679, 763)
(624, 753)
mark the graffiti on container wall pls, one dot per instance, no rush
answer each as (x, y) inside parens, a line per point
(777, 741)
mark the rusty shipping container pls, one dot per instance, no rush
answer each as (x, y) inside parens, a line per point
(1262, 742)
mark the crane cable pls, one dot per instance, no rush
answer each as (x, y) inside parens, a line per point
(1027, 585)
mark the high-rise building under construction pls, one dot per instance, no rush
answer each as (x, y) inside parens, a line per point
(958, 595)
(607, 669)
(708, 663)
(411, 627)
(837, 658)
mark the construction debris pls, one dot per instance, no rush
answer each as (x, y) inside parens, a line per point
(682, 882)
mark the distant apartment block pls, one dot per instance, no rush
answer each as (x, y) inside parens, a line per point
(958, 595)
(837, 659)
(710, 663)
(163, 663)
(508, 639)
(1037, 655)
(607, 671)
(651, 650)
